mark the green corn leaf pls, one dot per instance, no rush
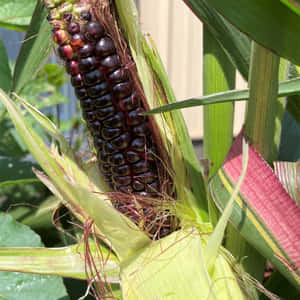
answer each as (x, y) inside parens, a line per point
(65, 262)
(263, 211)
(16, 14)
(294, 5)
(5, 72)
(286, 88)
(35, 50)
(18, 286)
(235, 44)
(265, 22)
(70, 183)
(166, 270)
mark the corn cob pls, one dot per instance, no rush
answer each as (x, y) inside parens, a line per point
(112, 107)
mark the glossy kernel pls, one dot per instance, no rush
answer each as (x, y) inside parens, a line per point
(98, 90)
(77, 41)
(140, 167)
(81, 93)
(60, 36)
(72, 67)
(87, 64)
(104, 100)
(65, 52)
(73, 28)
(115, 121)
(129, 103)
(77, 80)
(86, 50)
(118, 75)
(122, 170)
(122, 141)
(94, 31)
(132, 156)
(110, 63)
(138, 144)
(110, 133)
(134, 117)
(93, 77)
(105, 47)
(105, 112)
(123, 89)
(116, 159)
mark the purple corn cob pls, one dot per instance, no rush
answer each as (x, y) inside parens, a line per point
(111, 104)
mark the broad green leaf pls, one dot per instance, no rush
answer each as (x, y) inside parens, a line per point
(18, 286)
(286, 88)
(175, 268)
(267, 22)
(289, 176)
(235, 44)
(218, 75)
(263, 211)
(35, 50)
(16, 14)
(14, 171)
(5, 72)
(64, 262)
(71, 184)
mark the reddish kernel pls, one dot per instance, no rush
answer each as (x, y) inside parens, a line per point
(73, 28)
(65, 52)
(60, 36)
(77, 41)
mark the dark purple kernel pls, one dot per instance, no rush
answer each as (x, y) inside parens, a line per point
(102, 156)
(87, 64)
(110, 63)
(87, 104)
(122, 141)
(98, 90)
(122, 170)
(89, 116)
(67, 17)
(72, 67)
(141, 130)
(115, 121)
(118, 75)
(126, 189)
(105, 112)
(85, 16)
(49, 18)
(73, 28)
(105, 46)
(93, 77)
(140, 167)
(123, 89)
(138, 144)
(86, 50)
(105, 168)
(110, 133)
(117, 159)
(129, 103)
(134, 117)
(137, 185)
(109, 148)
(122, 180)
(103, 101)
(98, 142)
(93, 31)
(153, 187)
(77, 80)
(132, 156)
(147, 177)
(111, 185)
(81, 93)
(77, 41)
(95, 127)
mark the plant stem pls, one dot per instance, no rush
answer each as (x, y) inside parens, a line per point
(262, 104)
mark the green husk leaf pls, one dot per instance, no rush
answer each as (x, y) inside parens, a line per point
(165, 270)
(5, 72)
(65, 262)
(69, 182)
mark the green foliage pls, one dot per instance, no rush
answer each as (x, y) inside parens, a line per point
(19, 286)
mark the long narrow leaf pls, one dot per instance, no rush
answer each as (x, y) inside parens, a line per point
(263, 212)
(286, 88)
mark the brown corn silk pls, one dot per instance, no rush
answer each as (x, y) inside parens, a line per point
(130, 152)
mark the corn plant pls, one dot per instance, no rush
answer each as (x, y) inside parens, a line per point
(150, 221)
